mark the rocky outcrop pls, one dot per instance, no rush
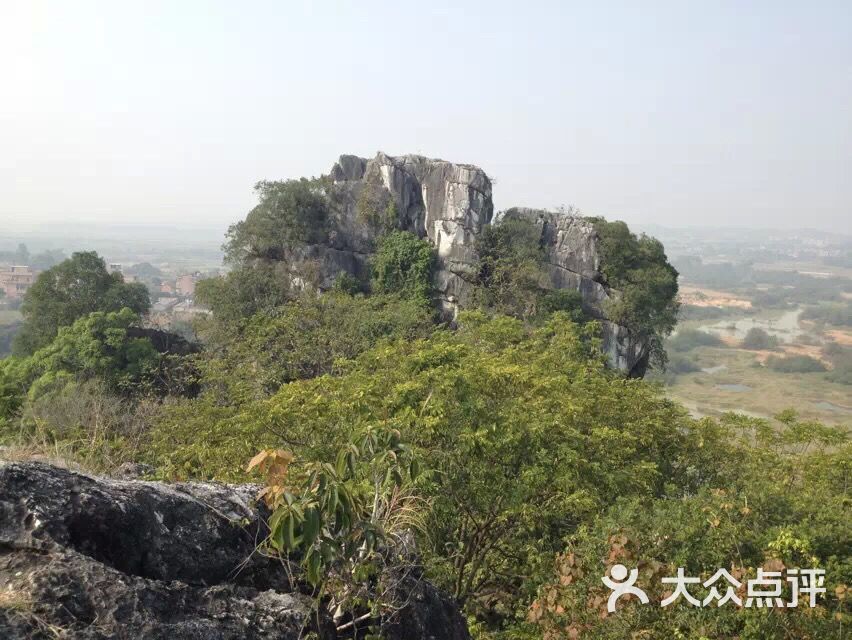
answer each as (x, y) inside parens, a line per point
(449, 204)
(573, 261)
(445, 202)
(100, 558)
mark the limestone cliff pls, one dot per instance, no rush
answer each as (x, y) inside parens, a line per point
(450, 204)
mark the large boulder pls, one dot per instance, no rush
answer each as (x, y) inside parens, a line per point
(93, 557)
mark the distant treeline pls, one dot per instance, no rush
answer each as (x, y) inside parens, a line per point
(766, 289)
(43, 260)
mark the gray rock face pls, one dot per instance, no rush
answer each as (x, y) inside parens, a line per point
(573, 261)
(99, 558)
(444, 202)
(449, 204)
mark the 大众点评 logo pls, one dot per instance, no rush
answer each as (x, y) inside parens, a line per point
(763, 591)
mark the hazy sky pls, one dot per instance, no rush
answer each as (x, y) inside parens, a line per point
(676, 113)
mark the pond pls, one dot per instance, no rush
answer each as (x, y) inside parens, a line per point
(737, 388)
(785, 327)
(830, 406)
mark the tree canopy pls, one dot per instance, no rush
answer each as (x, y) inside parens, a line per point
(70, 290)
(646, 284)
(289, 212)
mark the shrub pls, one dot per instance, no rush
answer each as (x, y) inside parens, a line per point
(375, 206)
(841, 372)
(404, 265)
(72, 289)
(682, 364)
(304, 339)
(775, 498)
(95, 346)
(509, 274)
(758, 340)
(839, 315)
(795, 364)
(688, 339)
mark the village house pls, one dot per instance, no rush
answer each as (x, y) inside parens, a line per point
(15, 280)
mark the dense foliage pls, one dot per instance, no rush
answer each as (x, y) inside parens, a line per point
(403, 265)
(777, 499)
(375, 206)
(838, 315)
(70, 290)
(517, 464)
(95, 346)
(245, 290)
(289, 212)
(758, 339)
(638, 268)
(688, 339)
(304, 338)
(795, 364)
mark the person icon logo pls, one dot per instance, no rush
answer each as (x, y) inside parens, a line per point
(622, 585)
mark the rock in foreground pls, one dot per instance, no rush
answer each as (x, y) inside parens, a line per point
(86, 557)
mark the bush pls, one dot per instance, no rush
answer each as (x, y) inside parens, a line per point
(759, 340)
(795, 364)
(681, 364)
(375, 206)
(509, 275)
(688, 339)
(403, 265)
(85, 422)
(97, 346)
(775, 498)
(304, 339)
(841, 372)
(839, 315)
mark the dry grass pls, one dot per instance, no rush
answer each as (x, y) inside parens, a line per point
(810, 350)
(768, 392)
(840, 336)
(699, 297)
(12, 600)
(39, 453)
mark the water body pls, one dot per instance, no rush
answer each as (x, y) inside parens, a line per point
(830, 406)
(737, 388)
(785, 327)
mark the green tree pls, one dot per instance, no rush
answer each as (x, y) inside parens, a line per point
(289, 212)
(688, 339)
(403, 265)
(527, 430)
(70, 290)
(245, 291)
(96, 346)
(795, 364)
(509, 275)
(305, 338)
(776, 497)
(645, 300)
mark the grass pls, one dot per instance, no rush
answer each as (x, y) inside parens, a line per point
(769, 391)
